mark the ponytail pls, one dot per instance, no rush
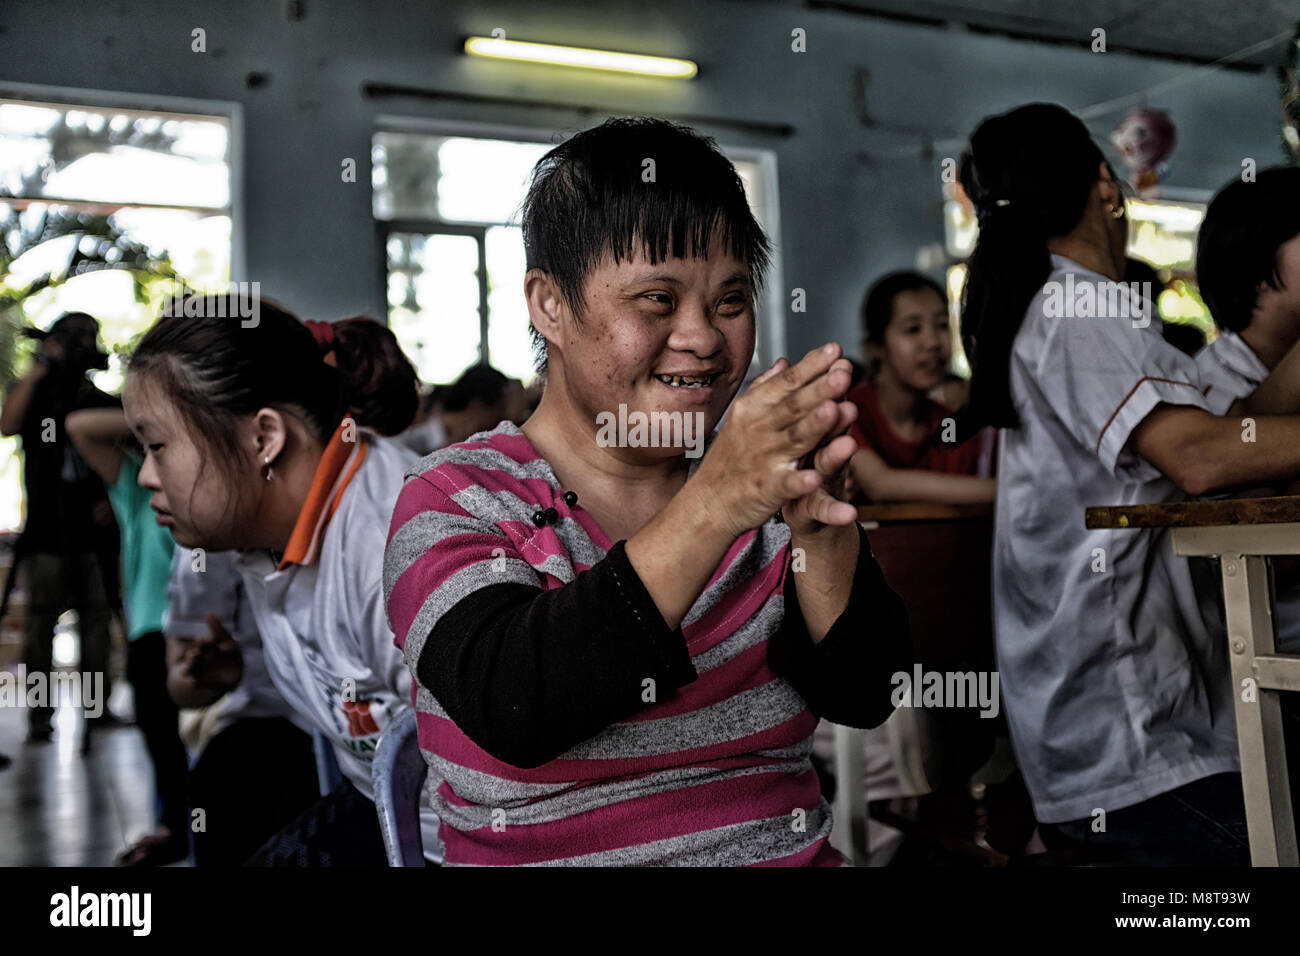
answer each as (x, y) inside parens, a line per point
(378, 381)
(1028, 173)
(1004, 273)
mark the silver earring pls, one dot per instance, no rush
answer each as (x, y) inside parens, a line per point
(267, 459)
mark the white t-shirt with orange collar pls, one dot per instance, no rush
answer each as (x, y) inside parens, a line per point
(328, 646)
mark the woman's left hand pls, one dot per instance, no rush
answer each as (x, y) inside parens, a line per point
(825, 506)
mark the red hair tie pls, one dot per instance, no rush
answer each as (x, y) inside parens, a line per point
(322, 332)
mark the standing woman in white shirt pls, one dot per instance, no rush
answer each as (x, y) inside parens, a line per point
(1113, 662)
(257, 440)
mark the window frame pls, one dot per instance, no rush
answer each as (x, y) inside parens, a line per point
(770, 331)
(433, 227)
(149, 103)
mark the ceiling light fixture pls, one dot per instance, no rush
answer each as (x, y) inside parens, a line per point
(554, 55)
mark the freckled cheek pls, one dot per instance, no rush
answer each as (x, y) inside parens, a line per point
(742, 348)
(630, 361)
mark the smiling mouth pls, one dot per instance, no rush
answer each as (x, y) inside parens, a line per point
(688, 381)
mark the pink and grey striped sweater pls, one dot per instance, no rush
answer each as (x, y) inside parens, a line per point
(563, 722)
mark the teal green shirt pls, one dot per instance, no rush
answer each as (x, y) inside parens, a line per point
(147, 549)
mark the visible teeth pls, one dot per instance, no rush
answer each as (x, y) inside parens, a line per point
(684, 381)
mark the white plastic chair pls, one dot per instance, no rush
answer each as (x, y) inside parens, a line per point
(398, 773)
(328, 774)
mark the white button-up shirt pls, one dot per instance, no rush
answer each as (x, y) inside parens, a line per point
(1113, 664)
(1230, 370)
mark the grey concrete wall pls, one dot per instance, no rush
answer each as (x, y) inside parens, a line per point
(873, 107)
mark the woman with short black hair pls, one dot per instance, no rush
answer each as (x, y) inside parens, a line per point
(620, 648)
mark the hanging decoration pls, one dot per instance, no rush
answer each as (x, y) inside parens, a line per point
(1145, 137)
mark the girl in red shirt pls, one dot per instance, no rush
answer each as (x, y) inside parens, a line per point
(907, 448)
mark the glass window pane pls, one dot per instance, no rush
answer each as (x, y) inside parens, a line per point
(751, 178)
(95, 252)
(450, 178)
(197, 244)
(404, 176)
(484, 180)
(433, 299)
(116, 268)
(509, 342)
(1163, 234)
(114, 156)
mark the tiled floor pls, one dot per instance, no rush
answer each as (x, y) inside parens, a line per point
(59, 807)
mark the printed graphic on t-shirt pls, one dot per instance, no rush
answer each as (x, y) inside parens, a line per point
(360, 721)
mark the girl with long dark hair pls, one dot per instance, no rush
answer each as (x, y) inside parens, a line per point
(1113, 660)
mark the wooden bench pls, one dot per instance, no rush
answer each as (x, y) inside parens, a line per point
(1243, 533)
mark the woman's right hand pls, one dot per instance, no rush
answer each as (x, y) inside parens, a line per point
(217, 662)
(753, 466)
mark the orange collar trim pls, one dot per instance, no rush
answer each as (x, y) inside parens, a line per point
(338, 463)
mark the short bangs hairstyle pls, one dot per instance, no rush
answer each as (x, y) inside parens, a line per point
(595, 193)
(1237, 246)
